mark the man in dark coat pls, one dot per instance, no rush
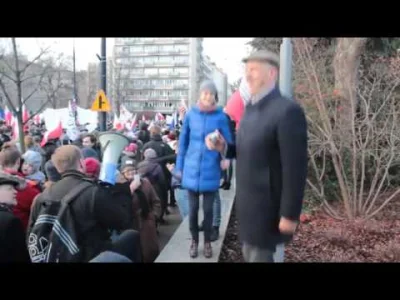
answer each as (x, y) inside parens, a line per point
(271, 153)
(163, 150)
(95, 215)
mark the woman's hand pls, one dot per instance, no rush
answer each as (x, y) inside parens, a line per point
(218, 144)
(135, 184)
(225, 164)
(170, 167)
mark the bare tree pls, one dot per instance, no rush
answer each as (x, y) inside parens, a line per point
(53, 81)
(120, 84)
(361, 164)
(15, 75)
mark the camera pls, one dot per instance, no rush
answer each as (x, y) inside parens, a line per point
(214, 137)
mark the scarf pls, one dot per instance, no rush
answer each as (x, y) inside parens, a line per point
(264, 92)
(206, 108)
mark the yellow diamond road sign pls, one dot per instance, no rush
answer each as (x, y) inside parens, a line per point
(101, 102)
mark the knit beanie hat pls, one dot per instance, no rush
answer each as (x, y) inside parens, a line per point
(92, 167)
(150, 154)
(132, 147)
(51, 172)
(209, 85)
(33, 158)
(127, 162)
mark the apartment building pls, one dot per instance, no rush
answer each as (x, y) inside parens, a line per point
(156, 74)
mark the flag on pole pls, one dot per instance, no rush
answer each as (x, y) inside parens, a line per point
(52, 134)
(182, 109)
(8, 116)
(15, 128)
(25, 114)
(117, 123)
(72, 126)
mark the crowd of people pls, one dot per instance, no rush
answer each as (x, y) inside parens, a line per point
(116, 222)
(54, 208)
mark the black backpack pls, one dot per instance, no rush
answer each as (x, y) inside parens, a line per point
(53, 237)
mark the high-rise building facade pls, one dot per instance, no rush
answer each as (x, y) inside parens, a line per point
(156, 74)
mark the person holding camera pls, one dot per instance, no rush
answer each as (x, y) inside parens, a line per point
(200, 167)
(146, 209)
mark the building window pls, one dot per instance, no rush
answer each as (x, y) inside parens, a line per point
(165, 59)
(151, 71)
(165, 71)
(137, 71)
(150, 49)
(182, 71)
(136, 49)
(182, 48)
(167, 48)
(149, 59)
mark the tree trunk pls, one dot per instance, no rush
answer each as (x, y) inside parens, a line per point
(19, 95)
(346, 63)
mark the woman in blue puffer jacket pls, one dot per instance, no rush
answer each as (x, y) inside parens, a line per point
(200, 168)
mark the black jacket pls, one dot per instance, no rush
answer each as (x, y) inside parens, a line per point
(144, 136)
(12, 238)
(271, 168)
(232, 127)
(163, 151)
(98, 210)
(156, 143)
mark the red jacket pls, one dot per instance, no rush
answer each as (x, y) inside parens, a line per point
(24, 199)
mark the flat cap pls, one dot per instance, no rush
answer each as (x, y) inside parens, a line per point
(263, 55)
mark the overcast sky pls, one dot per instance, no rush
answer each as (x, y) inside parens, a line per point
(225, 52)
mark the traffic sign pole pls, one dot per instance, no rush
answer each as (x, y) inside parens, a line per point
(103, 63)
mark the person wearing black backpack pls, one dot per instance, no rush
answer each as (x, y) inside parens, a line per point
(72, 220)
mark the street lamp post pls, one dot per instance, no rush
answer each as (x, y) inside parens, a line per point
(285, 87)
(103, 82)
(285, 74)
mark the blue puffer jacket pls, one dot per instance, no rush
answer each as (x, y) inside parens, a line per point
(200, 167)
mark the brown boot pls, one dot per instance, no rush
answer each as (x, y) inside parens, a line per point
(194, 249)
(207, 250)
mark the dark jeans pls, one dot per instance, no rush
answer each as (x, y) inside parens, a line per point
(227, 174)
(194, 203)
(128, 244)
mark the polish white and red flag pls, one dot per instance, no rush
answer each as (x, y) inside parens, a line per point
(8, 116)
(182, 109)
(117, 124)
(52, 134)
(15, 128)
(37, 119)
(159, 117)
(25, 114)
(133, 122)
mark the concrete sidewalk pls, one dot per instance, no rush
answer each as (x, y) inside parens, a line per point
(177, 249)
